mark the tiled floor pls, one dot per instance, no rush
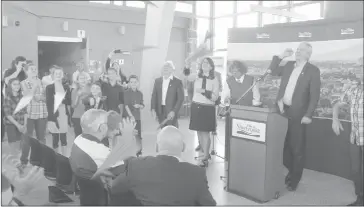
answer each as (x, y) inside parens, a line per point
(315, 188)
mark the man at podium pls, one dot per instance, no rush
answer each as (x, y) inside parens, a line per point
(235, 86)
(298, 95)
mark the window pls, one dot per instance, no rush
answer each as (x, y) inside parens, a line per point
(137, 4)
(311, 11)
(183, 7)
(203, 25)
(119, 3)
(221, 32)
(274, 3)
(244, 6)
(248, 20)
(223, 8)
(101, 2)
(203, 8)
(273, 19)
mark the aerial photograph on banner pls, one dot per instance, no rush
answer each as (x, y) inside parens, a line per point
(338, 60)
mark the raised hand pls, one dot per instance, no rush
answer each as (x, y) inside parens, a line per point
(24, 184)
(287, 53)
(127, 127)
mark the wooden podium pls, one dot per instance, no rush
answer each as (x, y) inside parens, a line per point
(255, 168)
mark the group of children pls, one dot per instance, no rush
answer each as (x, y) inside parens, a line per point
(39, 115)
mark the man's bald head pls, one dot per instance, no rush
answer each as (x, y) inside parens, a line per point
(92, 119)
(170, 141)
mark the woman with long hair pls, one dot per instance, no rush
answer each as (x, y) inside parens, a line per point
(14, 123)
(58, 118)
(81, 91)
(203, 115)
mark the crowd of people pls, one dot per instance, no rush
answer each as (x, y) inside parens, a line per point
(95, 108)
(102, 110)
(79, 95)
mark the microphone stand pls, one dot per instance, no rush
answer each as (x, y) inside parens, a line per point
(227, 107)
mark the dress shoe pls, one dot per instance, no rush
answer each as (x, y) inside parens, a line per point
(291, 187)
(358, 202)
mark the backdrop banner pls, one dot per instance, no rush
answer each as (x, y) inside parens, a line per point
(337, 51)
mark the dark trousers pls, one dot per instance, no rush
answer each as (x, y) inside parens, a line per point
(356, 157)
(57, 137)
(77, 126)
(163, 116)
(294, 148)
(227, 136)
(13, 133)
(138, 126)
(39, 125)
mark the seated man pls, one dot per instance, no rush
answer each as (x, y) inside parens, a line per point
(165, 180)
(88, 152)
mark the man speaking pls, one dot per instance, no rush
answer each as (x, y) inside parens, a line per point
(297, 99)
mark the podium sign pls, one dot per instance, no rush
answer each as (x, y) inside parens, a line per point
(255, 168)
(248, 130)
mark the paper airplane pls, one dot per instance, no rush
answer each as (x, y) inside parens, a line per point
(58, 98)
(125, 147)
(23, 103)
(52, 128)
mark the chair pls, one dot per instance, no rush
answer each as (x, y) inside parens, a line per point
(36, 153)
(92, 192)
(65, 179)
(48, 161)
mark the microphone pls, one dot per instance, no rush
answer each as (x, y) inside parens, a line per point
(186, 71)
(264, 75)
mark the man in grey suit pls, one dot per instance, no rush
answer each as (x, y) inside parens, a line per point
(297, 98)
(167, 96)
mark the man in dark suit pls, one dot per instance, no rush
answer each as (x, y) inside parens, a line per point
(167, 96)
(165, 180)
(297, 99)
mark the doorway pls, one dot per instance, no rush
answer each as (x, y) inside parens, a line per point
(62, 51)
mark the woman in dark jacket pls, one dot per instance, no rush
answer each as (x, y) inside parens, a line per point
(58, 119)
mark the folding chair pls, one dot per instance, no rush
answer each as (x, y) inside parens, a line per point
(48, 161)
(65, 179)
(35, 153)
(92, 192)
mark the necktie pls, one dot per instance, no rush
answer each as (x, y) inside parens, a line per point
(204, 80)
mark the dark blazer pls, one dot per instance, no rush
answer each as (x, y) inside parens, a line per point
(164, 181)
(307, 91)
(174, 98)
(50, 92)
